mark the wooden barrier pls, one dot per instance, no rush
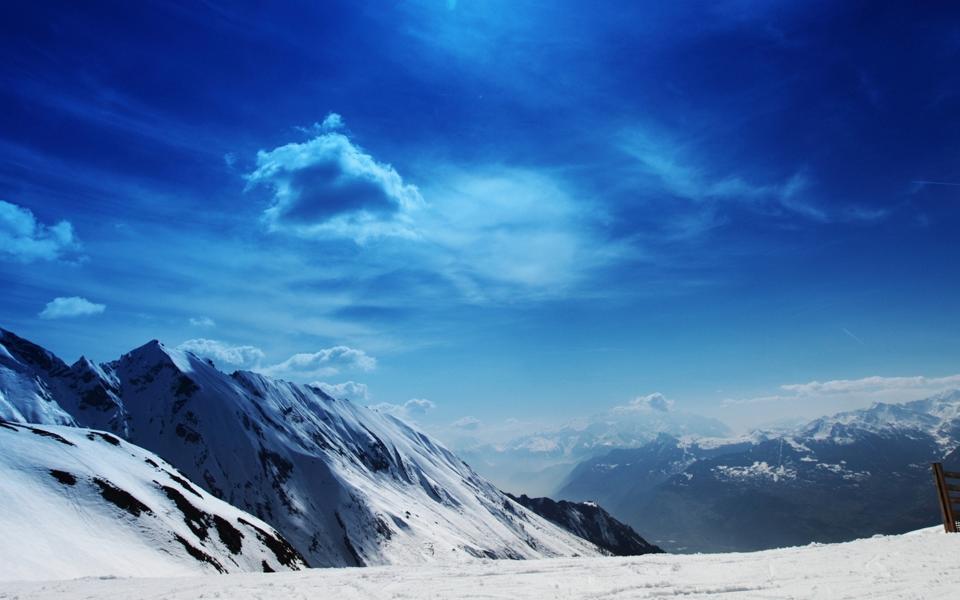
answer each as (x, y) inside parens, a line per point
(948, 491)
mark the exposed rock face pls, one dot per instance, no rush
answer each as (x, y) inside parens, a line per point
(592, 523)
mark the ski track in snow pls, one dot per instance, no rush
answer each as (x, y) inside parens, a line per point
(919, 565)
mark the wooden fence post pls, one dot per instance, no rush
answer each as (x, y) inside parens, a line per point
(943, 492)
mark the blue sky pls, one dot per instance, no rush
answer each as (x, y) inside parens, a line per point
(516, 212)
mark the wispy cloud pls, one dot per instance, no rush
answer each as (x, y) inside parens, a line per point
(846, 393)
(677, 168)
(925, 182)
(222, 353)
(24, 238)
(73, 306)
(467, 423)
(851, 335)
(490, 232)
(873, 384)
(205, 322)
(329, 361)
(673, 167)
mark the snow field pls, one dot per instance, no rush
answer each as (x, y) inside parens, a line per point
(921, 565)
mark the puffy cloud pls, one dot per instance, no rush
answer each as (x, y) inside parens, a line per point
(651, 402)
(202, 322)
(418, 406)
(24, 238)
(328, 361)
(467, 423)
(488, 232)
(73, 306)
(221, 353)
(414, 407)
(348, 390)
(331, 122)
(328, 186)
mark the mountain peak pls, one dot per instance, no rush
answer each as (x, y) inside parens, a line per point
(155, 353)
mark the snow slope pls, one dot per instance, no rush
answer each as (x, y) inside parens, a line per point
(344, 484)
(918, 566)
(77, 502)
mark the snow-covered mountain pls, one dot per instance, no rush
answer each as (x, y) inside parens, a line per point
(836, 478)
(25, 394)
(537, 463)
(78, 502)
(344, 484)
(38, 387)
(589, 521)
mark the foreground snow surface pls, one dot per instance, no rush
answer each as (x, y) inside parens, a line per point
(923, 564)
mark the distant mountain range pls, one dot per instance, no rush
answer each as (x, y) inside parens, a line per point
(837, 478)
(538, 463)
(342, 484)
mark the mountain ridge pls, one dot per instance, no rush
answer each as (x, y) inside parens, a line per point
(346, 485)
(847, 475)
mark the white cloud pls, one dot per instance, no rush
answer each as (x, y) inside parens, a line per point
(328, 361)
(490, 232)
(494, 231)
(348, 390)
(73, 306)
(221, 353)
(331, 122)
(418, 406)
(329, 187)
(415, 407)
(672, 168)
(467, 423)
(24, 238)
(651, 402)
(872, 384)
(206, 322)
(816, 398)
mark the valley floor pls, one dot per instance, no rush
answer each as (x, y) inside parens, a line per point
(923, 564)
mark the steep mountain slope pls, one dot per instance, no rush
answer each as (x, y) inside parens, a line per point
(38, 387)
(344, 484)
(25, 394)
(590, 522)
(837, 478)
(79, 503)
